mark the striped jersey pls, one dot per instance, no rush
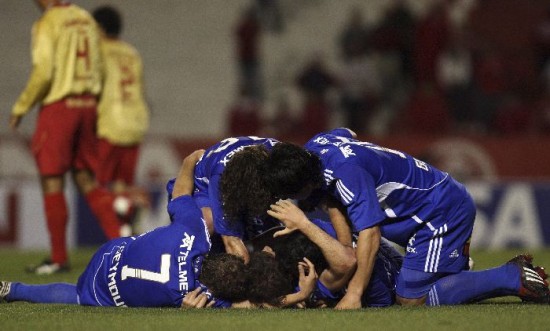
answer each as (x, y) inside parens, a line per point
(66, 58)
(381, 186)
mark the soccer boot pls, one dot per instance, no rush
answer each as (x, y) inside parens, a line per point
(533, 288)
(4, 289)
(47, 267)
(542, 273)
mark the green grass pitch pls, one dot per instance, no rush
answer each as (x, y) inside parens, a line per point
(497, 314)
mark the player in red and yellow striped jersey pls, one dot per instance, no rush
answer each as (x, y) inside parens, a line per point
(65, 81)
(123, 115)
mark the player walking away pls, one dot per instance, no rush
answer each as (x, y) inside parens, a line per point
(155, 269)
(389, 193)
(123, 116)
(65, 82)
(246, 156)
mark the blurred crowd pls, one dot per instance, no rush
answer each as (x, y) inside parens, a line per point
(485, 70)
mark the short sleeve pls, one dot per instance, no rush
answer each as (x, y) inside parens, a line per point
(355, 188)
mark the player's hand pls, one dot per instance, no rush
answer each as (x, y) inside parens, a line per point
(349, 301)
(289, 214)
(196, 299)
(15, 120)
(307, 279)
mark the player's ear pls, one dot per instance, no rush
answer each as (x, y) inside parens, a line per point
(268, 250)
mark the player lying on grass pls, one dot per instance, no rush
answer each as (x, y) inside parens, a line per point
(156, 269)
(520, 277)
(388, 193)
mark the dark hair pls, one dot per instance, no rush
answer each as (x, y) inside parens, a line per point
(225, 275)
(290, 168)
(268, 281)
(292, 248)
(109, 19)
(242, 188)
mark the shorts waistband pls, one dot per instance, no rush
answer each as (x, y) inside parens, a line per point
(81, 101)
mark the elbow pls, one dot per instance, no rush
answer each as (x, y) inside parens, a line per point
(347, 264)
(350, 261)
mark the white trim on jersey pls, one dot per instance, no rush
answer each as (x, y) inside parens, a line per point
(434, 297)
(328, 176)
(386, 189)
(345, 193)
(420, 221)
(434, 250)
(390, 213)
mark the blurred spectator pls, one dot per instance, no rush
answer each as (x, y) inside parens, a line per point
(542, 41)
(314, 82)
(426, 112)
(455, 77)
(270, 15)
(430, 39)
(395, 35)
(360, 87)
(244, 115)
(491, 86)
(354, 38)
(248, 33)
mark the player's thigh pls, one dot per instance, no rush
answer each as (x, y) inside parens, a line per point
(107, 161)
(126, 170)
(53, 139)
(87, 142)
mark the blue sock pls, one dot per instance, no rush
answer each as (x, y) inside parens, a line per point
(47, 293)
(473, 286)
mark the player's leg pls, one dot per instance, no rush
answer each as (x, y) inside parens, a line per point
(99, 199)
(517, 277)
(55, 207)
(52, 150)
(46, 293)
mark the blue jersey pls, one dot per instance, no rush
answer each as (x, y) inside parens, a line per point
(380, 291)
(155, 269)
(208, 172)
(378, 186)
(401, 194)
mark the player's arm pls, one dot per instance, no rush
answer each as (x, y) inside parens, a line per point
(355, 188)
(340, 259)
(338, 218)
(185, 182)
(235, 245)
(307, 280)
(367, 247)
(40, 78)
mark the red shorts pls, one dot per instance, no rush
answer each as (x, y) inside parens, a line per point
(65, 136)
(116, 163)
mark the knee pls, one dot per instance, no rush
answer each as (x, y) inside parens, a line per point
(84, 180)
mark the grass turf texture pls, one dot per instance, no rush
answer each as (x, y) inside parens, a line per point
(503, 313)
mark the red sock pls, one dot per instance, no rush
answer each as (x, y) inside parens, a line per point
(55, 207)
(101, 203)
